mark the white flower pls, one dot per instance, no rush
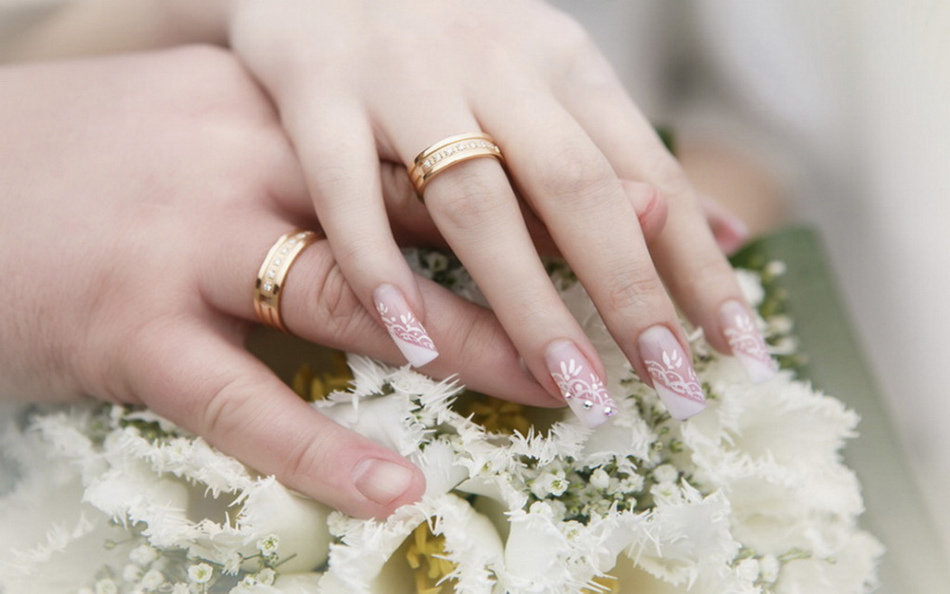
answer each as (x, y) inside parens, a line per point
(665, 473)
(748, 570)
(200, 573)
(769, 568)
(549, 484)
(143, 555)
(231, 563)
(600, 479)
(776, 268)
(266, 576)
(152, 579)
(132, 573)
(106, 586)
(269, 545)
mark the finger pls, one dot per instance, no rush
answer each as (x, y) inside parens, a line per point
(686, 253)
(318, 304)
(575, 191)
(200, 379)
(337, 148)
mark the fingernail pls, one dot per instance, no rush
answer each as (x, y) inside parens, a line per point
(581, 387)
(746, 341)
(405, 329)
(381, 481)
(672, 372)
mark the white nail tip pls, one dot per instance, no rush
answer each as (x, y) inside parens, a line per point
(415, 354)
(680, 408)
(758, 371)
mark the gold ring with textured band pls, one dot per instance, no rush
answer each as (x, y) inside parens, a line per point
(270, 278)
(451, 151)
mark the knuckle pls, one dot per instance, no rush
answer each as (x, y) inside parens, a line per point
(334, 305)
(224, 405)
(574, 176)
(335, 301)
(306, 458)
(633, 290)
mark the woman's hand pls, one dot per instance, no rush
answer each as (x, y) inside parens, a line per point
(140, 197)
(358, 81)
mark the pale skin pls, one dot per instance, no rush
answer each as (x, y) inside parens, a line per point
(357, 104)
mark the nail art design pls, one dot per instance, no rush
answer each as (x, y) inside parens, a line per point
(746, 342)
(673, 376)
(581, 387)
(405, 329)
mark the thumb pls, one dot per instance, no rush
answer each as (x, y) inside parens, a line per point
(212, 387)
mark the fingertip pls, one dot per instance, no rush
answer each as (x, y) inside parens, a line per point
(730, 232)
(650, 206)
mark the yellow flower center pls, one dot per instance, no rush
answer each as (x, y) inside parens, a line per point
(425, 554)
(311, 387)
(494, 414)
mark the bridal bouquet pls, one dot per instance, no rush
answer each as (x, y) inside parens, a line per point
(751, 496)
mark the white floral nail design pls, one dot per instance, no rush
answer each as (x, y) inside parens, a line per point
(672, 373)
(406, 330)
(746, 342)
(582, 389)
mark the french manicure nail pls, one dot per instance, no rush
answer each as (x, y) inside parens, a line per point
(672, 372)
(381, 481)
(581, 387)
(746, 341)
(405, 329)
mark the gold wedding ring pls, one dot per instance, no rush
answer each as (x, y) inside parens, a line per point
(451, 151)
(270, 278)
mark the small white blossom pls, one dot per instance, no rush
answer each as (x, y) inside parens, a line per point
(143, 555)
(200, 573)
(152, 579)
(769, 568)
(266, 576)
(780, 324)
(748, 570)
(631, 483)
(181, 588)
(269, 545)
(131, 573)
(667, 493)
(665, 473)
(232, 563)
(776, 268)
(599, 479)
(549, 484)
(106, 586)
